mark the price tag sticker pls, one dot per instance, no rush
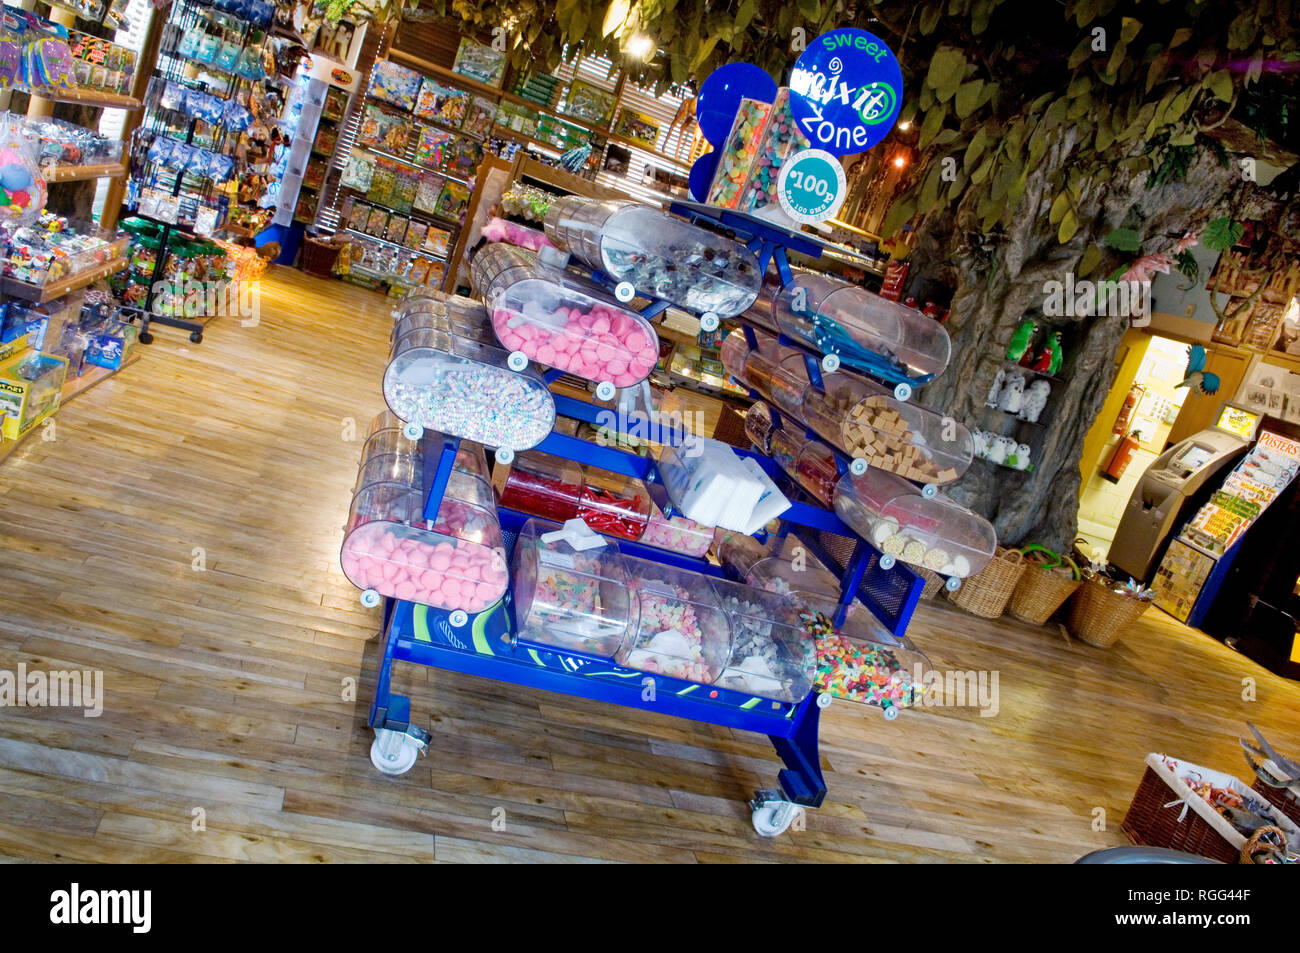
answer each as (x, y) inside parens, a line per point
(811, 187)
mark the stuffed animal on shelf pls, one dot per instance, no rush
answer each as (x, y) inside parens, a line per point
(980, 439)
(998, 448)
(1012, 397)
(1020, 459)
(1049, 358)
(1036, 395)
(996, 389)
(1022, 340)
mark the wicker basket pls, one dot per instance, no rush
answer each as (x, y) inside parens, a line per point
(1165, 812)
(1280, 798)
(1098, 615)
(318, 257)
(987, 593)
(933, 582)
(1044, 587)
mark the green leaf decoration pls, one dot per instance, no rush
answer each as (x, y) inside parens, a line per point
(1221, 234)
(1089, 262)
(1124, 239)
(946, 69)
(967, 98)
(1220, 83)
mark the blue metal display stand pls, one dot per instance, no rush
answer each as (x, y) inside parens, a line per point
(487, 643)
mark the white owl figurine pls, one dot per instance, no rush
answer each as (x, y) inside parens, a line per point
(1035, 400)
(1012, 397)
(1023, 452)
(981, 442)
(997, 452)
(996, 389)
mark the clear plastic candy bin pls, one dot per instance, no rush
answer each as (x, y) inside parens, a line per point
(898, 520)
(759, 426)
(552, 318)
(868, 332)
(544, 485)
(683, 631)
(865, 421)
(659, 255)
(676, 534)
(457, 561)
(771, 653)
(578, 600)
(778, 575)
(442, 382)
(470, 323)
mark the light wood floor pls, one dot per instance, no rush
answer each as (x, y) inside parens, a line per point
(225, 687)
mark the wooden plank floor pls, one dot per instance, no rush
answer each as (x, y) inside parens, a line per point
(227, 689)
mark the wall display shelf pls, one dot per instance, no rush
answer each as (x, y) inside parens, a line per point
(529, 640)
(57, 289)
(90, 97)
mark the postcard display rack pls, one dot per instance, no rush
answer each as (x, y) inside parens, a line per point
(472, 586)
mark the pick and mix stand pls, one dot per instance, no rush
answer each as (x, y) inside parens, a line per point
(460, 577)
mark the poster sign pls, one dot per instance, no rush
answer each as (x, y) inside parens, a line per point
(847, 89)
(811, 187)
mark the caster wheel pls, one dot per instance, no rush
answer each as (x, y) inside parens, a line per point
(517, 361)
(774, 818)
(903, 391)
(503, 455)
(887, 561)
(929, 491)
(145, 337)
(858, 466)
(370, 598)
(396, 762)
(891, 712)
(831, 363)
(605, 391)
(196, 337)
(824, 700)
(413, 431)
(953, 584)
(708, 321)
(624, 291)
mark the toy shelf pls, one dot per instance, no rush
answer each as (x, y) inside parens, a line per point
(57, 289)
(486, 643)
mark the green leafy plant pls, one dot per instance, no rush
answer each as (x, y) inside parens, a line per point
(1221, 234)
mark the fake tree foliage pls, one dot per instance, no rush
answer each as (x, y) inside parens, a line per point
(1050, 138)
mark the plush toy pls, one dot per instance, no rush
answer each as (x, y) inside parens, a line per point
(1022, 339)
(1022, 454)
(1035, 400)
(1012, 397)
(1049, 358)
(981, 442)
(996, 389)
(998, 448)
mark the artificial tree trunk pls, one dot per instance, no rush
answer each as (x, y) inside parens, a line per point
(999, 280)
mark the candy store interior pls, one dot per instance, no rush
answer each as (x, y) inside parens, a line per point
(589, 418)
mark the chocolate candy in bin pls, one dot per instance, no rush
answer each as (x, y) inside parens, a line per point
(659, 255)
(465, 389)
(555, 320)
(543, 485)
(772, 655)
(759, 426)
(683, 631)
(579, 600)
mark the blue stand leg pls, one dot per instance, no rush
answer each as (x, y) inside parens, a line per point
(802, 779)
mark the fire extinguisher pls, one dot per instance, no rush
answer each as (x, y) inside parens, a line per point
(1123, 454)
(1126, 412)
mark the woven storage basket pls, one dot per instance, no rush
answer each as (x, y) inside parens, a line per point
(1280, 798)
(318, 257)
(933, 582)
(1098, 615)
(1165, 812)
(987, 593)
(1042, 590)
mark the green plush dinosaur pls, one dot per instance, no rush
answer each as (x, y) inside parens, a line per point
(1021, 340)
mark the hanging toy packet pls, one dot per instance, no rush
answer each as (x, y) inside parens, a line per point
(22, 189)
(11, 50)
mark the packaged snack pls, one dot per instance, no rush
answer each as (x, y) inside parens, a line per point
(358, 173)
(427, 189)
(453, 201)
(377, 223)
(396, 230)
(358, 217)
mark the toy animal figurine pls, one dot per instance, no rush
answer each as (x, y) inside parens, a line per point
(998, 448)
(1023, 452)
(1049, 358)
(1022, 339)
(1012, 397)
(1036, 395)
(998, 380)
(981, 442)
(1197, 376)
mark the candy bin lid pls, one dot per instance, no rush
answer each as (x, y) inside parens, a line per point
(682, 630)
(614, 505)
(561, 322)
(772, 654)
(862, 327)
(466, 389)
(573, 599)
(543, 485)
(759, 426)
(779, 575)
(896, 518)
(866, 421)
(404, 464)
(660, 255)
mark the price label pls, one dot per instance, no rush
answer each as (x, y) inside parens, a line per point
(811, 186)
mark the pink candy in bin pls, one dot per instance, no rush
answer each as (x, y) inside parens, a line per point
(556, 320)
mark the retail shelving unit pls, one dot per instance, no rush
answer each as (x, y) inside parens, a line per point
(487, 643)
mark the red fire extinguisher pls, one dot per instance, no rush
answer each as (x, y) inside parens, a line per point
(1126, 412)
(1123, 454)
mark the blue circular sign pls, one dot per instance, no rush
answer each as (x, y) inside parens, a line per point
(720, 96)
(846, 91)
(811, 187)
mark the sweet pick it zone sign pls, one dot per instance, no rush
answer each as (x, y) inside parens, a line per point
(846, 89)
